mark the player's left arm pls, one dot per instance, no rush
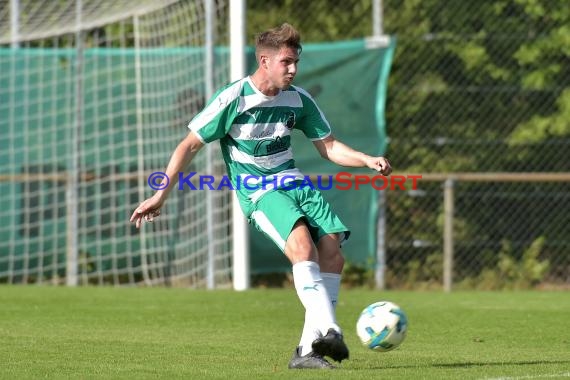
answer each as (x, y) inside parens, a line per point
(341, 154)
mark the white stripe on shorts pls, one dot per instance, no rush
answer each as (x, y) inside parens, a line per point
(264, 223)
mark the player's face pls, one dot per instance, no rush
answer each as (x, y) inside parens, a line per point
(282, 67)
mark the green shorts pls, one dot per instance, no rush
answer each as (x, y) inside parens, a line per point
(276, 212)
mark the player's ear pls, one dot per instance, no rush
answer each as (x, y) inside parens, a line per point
(264, 61)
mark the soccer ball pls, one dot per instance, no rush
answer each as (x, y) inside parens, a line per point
(382, 326)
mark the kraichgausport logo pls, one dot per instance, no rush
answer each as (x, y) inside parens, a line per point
(339, 181)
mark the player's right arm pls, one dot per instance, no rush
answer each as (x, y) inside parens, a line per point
(212, 123)
(180, 159)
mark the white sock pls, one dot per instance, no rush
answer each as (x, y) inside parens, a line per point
(331, 281)
(308, 335)
(319, 312)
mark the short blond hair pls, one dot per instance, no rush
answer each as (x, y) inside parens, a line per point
(275, 39)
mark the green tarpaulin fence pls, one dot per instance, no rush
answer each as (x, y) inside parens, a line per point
(347, 79)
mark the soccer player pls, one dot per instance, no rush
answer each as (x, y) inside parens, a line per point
(253, 119)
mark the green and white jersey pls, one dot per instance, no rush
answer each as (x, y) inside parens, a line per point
(255, 135)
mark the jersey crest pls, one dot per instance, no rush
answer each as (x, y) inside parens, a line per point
(290, 121)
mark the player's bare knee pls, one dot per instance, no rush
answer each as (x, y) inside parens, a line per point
(333, 260)
(299, 245)
(299, 253)
(299, 248)
(339, 260)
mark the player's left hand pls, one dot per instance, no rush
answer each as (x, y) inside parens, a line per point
(380, 164)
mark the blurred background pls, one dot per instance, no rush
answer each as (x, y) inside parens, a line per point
(472, 95)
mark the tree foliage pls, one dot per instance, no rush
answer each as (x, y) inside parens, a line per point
(478, 86)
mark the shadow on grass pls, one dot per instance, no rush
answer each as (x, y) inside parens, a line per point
(483, 364)
(475, 364)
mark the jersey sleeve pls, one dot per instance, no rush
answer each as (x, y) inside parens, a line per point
(312, 121)
(215, 120)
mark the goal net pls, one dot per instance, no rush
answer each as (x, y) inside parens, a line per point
(94, 97)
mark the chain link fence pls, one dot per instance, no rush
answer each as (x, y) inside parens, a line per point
(475, 87)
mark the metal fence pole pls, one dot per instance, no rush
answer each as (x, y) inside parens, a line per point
(377, 18)
(448, 211)
(14, 23)
(380, 272)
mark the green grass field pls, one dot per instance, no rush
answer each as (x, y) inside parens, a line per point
(137, 333)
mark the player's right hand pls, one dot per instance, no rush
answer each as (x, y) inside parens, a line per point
(147, 210)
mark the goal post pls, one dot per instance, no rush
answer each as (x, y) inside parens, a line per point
(240, 231)
(104, 101)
